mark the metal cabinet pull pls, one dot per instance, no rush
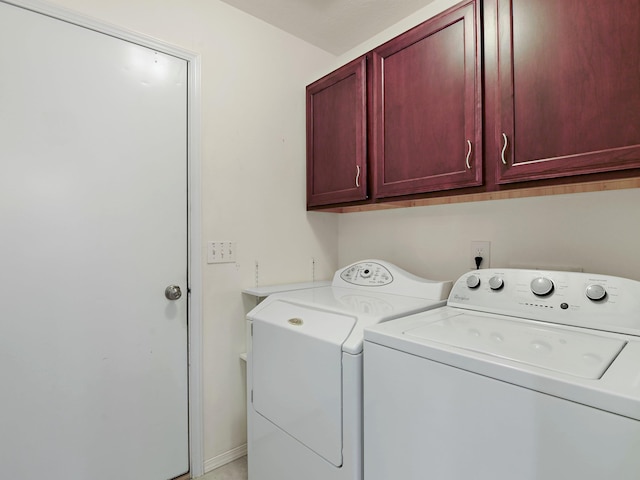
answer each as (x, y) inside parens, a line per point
(358, 176)
(468, 155)
(504, 148)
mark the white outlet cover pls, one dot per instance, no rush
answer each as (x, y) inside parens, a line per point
(480, 248)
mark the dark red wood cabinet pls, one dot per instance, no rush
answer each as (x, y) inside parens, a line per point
(490, 95)
(337, 136)
(567, 87)
(427, 107)
(424, 122)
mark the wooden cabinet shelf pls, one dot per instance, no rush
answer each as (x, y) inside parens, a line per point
(563, 189)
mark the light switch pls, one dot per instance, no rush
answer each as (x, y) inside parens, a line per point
(221, 252)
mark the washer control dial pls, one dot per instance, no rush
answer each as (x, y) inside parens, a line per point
(496, 283)
(595, 292)
(366, 272)
(541, 286)
(473, 281)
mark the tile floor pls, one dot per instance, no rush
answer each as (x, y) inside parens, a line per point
(236, 470)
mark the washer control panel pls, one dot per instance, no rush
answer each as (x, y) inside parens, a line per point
(387, 278)
(367, 273)
(573, 298)
(542, 286)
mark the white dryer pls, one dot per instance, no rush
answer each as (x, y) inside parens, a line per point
(304, 369)
(524, 375)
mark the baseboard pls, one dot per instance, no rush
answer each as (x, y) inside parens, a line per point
(225, 458)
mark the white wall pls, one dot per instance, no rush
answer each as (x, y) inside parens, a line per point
(253, 178)
(434, 8)
(596, 231)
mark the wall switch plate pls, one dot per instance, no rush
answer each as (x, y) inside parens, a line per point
(221, 252)
(480, 248)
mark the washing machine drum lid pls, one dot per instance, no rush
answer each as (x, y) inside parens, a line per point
(581, 354)
(297, 373)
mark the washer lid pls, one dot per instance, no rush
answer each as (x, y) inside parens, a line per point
(297, 373)
(580, 354)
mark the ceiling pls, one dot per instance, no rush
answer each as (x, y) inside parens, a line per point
(333, 25)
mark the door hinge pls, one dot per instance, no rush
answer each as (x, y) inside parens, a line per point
(252, 329)
(251, 396)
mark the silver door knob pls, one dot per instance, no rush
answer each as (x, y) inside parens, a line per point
(172, 292)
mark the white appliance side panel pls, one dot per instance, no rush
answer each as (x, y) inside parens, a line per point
(458, 425)
(297, 374)
(276, 455)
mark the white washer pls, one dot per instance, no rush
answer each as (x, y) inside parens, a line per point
(304, 370)
(525, 375)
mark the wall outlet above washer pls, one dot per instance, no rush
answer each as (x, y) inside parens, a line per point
(480, 248)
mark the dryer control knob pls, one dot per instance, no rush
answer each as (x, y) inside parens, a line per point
(541, 286)
(595, 292)
(496, 283)
(473, 281)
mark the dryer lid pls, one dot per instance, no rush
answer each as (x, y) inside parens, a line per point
(571, 352)
(297, 373)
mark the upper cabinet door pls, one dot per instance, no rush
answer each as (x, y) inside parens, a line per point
(337, 136)
(427, 107)
(568, 88)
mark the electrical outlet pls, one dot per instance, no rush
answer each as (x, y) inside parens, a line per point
(221, 252)
(480, 248)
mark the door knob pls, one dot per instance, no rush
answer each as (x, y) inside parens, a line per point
(172, 292)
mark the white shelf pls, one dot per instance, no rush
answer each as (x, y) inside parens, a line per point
(262, 292)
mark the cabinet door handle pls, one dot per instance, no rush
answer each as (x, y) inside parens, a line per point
(468, 155)
(504, 148)
(358, 176)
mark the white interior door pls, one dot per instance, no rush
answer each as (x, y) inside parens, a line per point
(93, 222)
